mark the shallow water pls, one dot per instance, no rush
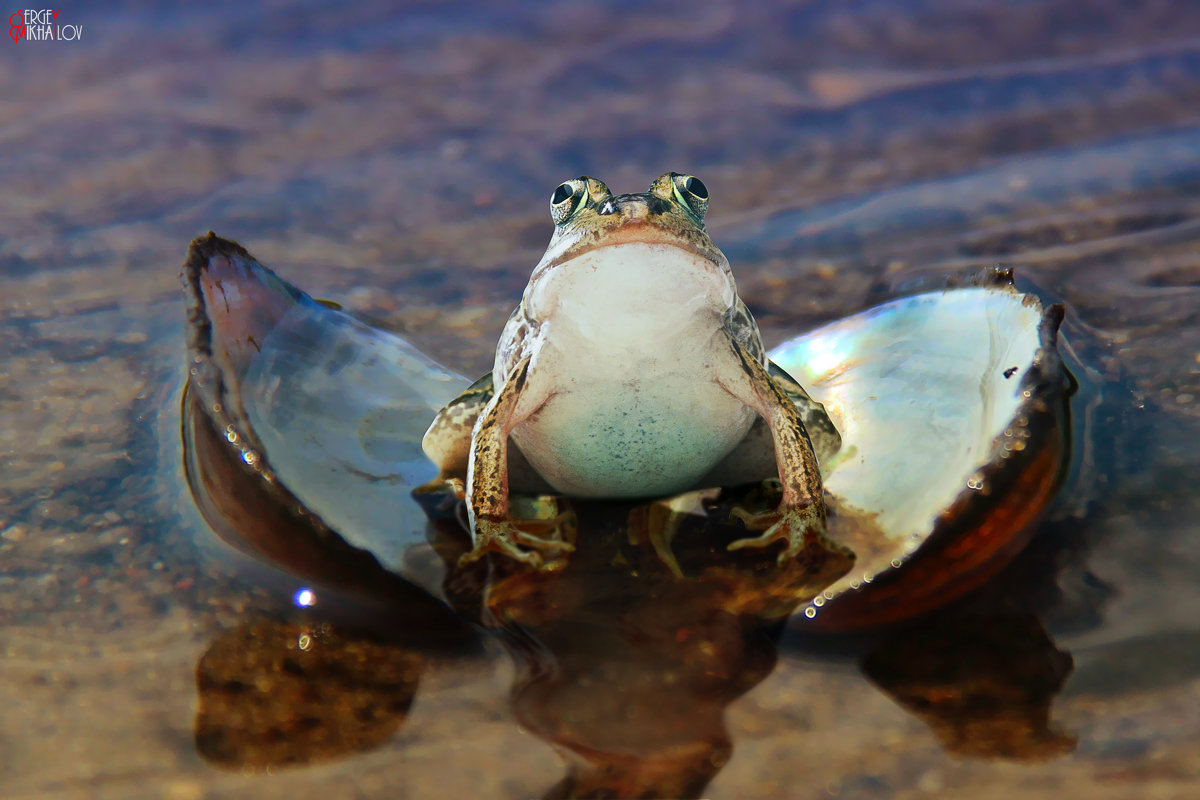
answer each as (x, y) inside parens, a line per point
(399, 163)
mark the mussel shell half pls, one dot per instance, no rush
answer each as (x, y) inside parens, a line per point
(952, 409)
(316, 401)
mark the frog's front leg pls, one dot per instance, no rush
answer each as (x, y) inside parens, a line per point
(487, 481)
(800, 519)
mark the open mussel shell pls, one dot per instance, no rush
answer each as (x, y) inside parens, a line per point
(324, 413)
(953, 411)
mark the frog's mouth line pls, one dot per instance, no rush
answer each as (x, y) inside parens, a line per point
(714, 260)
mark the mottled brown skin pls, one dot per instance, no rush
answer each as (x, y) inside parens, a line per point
(803, 504)
(487, 481)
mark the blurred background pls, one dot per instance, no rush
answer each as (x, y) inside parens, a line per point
(398, 158)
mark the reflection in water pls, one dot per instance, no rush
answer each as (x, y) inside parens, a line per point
(624, 664)
(274, 694)
(626, 660)
(983, 685)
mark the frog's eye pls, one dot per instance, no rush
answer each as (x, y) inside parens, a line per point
(691, 192)
(567, 199)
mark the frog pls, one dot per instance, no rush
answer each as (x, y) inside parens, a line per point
(632, 369)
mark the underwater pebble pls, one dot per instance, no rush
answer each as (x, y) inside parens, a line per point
(57, 511)
(14, 534)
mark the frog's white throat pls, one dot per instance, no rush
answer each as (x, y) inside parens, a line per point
(629, 293)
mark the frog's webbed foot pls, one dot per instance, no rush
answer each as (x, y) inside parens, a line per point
(802, 529)
(527, 543)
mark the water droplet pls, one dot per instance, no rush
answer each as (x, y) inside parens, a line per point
(810, 612)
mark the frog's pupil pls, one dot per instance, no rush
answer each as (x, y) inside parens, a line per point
(696, 187)
(561, 193)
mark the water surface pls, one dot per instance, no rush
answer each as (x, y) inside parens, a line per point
(400, 162)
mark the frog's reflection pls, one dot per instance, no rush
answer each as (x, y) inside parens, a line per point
(627, 656)
(627, 666)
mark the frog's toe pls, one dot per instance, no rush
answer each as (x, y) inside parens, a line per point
(503, 538)
(777, 532)
(527, 547)
(756, 521)
(551, 546)
(799, 528)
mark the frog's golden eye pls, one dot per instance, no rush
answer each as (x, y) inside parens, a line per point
(568, 198)
(691, 192)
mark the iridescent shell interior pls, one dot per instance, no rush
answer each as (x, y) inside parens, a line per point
(948, 402)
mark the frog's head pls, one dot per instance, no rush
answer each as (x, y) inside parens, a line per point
(650, 245)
